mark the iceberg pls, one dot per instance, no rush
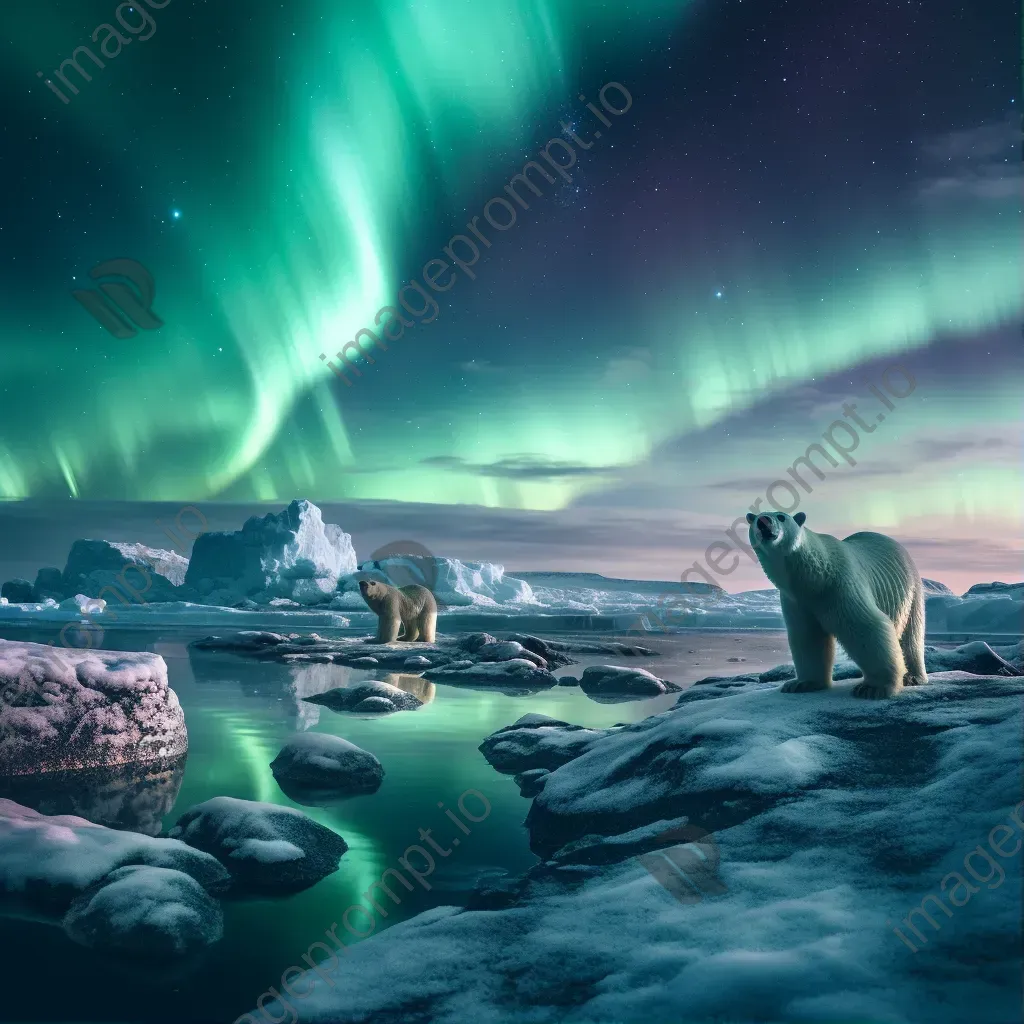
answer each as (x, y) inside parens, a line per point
(291, 554)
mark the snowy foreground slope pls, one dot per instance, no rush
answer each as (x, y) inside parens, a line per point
(834, 821)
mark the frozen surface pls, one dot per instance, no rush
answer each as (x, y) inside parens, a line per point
(139, 910)
(65, 708)
(833, 821)
(264, 846)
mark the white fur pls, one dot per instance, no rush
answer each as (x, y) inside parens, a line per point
(863, 591)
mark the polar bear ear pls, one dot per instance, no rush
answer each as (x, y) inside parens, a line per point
(751, 517)
(799, 519)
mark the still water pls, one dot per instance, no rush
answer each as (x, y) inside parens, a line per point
(239, 713)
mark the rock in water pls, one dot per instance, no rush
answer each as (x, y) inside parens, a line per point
(66, 708)
(48, 860)
(148, 911)
(265, 847)
(292, 554)
(350, 698)
(613, 680)
(326, 762)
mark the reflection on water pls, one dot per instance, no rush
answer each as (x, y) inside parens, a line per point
(131, 797)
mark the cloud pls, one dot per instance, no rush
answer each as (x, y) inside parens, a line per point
(520, 467)
(980, 163)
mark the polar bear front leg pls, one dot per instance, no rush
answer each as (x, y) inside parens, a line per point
(813, 649)
(870, 640)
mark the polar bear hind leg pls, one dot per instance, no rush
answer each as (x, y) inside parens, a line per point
(870, 640)
(812, 648)
(912, 641)
(428, 625)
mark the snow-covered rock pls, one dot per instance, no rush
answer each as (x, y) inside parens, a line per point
(536, 741)
(291, 554)
(934, 587)
(516, 674)
(321, 762)
(348, 698)
(65, 708)
(264, 846)
(139, 910)
(613, 680)
(47, 860)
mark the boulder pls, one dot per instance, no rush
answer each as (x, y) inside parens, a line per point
(48, 860)
(611, 680)
(349, 698)
(537, 741)
(321, 761)
(68, 708)
(265, 847)
(145, 911)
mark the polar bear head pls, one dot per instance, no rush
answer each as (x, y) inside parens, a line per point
(774, 535)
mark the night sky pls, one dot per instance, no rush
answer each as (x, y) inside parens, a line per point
(801, 195)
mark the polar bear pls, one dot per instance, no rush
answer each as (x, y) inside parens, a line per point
(412, 608)
(863, 591)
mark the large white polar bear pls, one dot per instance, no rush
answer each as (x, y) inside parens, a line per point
(863, 591)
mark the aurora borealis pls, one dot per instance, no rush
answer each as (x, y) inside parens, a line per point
(800, 195)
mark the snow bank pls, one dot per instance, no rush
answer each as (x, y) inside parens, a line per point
(66, 708)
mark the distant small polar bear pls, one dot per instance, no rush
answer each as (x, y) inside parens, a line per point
(863, 591)
(411, 608)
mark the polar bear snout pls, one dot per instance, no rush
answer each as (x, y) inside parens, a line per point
(766, 527)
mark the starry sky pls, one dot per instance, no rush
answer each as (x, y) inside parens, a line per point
(800, 196)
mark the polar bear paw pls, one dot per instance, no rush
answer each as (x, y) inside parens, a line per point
(909, 680)
(872, 691)
(804, 685)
